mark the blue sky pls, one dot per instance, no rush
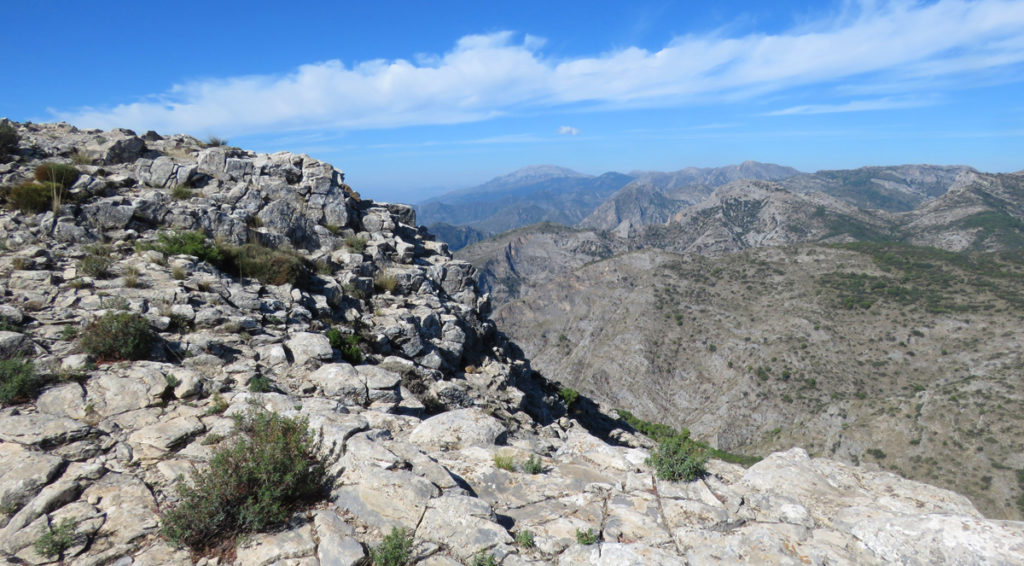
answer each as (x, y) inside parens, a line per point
(411, 98)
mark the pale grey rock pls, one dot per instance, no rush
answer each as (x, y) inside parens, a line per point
(14, 344)
(466, 524)
(385, 499)
(26, 472)
(308, 348)
(37, 429)
(457, 429)
(338, 545)
(617, 554)
(156, 440)
(129, 505)
(273, 548)
(65, 400)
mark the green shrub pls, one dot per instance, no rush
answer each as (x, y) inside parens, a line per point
(483, 558)
(569, 396)
(524, 538)
(394, 550)
(187, 242)
(96, 265)
(80, 157)
(59, 173)
(118, 336)
(273, 467)
(586, 537)
(678, 459)
(260, 384)
(31, 198)
(214, 141)
(347, 344)
(17, 381)
(181, 192)
(505, 462)
(8, 139)
(269, 266)
(533, 465)
(56, 540)
(356, 244)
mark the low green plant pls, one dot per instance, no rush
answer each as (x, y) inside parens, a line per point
(218, 405)
(187, 242)
(533, 465)
(384, 281)
(394, 550)
(17, 381)
(8, 139)
(118, 336)
(347, 344)
(182, 192)
(274, 466)
(484, 558)
(31, 198)
(569, 396)
(80, 157)
(131, 277)
(60, 173)
(96, 266)
(586, 537)
(524, 538)
(56, 540)
(269, 266)
(215, 141)
(678, 459)
(260, 384)
(505, 462)
(356, 244)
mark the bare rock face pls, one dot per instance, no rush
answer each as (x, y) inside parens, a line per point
(420, 400)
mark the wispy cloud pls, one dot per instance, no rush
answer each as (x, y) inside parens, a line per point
(855, 106)
(485, 76)
(568, 131)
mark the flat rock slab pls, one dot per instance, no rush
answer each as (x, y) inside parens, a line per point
(465, 524)
(263, 549)
(156, 440)
(385, 499)
(457, 429)
(615, 554)
(26, 472)
(36, 429)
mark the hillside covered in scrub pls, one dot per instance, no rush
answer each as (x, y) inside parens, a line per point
(213, 356)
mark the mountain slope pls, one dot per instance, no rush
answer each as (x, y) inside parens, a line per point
(893, 188)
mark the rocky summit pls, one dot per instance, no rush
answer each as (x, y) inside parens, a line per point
(264, 283)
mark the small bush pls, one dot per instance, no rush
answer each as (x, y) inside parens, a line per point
(272, 267)
(524, 538)
(181, 192)
(505, 462)
(178, 273)
(569, 396)
(96, 266)
(356, 244)
(79, 157)
(586, 537)
(533, 465)
(131, 277)
(483, 558)
(394, 550)
(214, 141)
(260, 384)
(257, 481)
(17, 381)
(8, 139)
(31, 198)
(188, 242)
(56, 540)
(118, 336)
(385, 282)
(347, 344)
(678, 459)
(59, 173)
(218, 404)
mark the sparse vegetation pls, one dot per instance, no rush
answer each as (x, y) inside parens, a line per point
(678, 459)
(356, 244)
(384, 281)
(8, 139)
(533, 465)
(586, 537)
(524, 538)
(118, 335)
(484, 558)
(569, 396)
(214, 141)
(504, 462)
(260, 384)
(347, 344)
(17, 381)
(273, 467)
(394, 550)
(182, 192)
(56, 540)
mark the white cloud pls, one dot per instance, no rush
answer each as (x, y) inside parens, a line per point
(484, 76)
(854, 106)
(568, 131)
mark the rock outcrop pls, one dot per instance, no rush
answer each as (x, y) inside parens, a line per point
(418, 420)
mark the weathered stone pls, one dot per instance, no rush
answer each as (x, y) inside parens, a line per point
(458, 429)
(465, 524)
(14, 344)
(42, 430)
(156, 440)
(271, 548)
(385, 499)
(25, 473)
(338, 545)
(308, 348)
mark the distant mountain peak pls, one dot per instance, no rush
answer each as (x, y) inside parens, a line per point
(534, 173)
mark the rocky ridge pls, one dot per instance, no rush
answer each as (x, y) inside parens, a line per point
(439, 394)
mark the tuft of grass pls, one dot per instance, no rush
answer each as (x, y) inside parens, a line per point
(214, 141)
(586, 537)
(96, 266)
(272, 468)
(533, 465)
(131, 277)
(260, 384)
(79, 157)
(56, 540)
(118, 336)
(62, 174)
(505, 462)
(394, 550)
(569, 396)
(178, 273)
(356, 244)
(347, 344)
(269, 266)
(385, 282)
(524, 538)
(187, 242)
(17, 381)
(218, 405)
(181, 192)
(484, 558)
